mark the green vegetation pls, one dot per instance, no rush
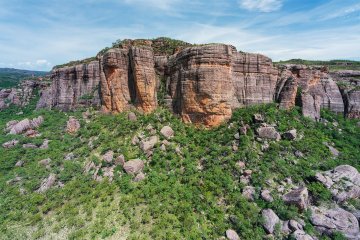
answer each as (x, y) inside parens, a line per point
(76, 62)
(10, 77)
(333, 65)
(193, 195)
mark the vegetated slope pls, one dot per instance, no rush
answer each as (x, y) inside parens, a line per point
(333, 65)
(192, 190)
(10, 77)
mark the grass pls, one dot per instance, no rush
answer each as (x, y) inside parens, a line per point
(333, 65)
(177, 200)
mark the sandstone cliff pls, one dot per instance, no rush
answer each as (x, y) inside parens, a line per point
(202, 84)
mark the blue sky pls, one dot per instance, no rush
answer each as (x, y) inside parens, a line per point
(38, 34)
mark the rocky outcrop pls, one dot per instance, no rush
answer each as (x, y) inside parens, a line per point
(203, 84)
(128, 78)
(329, 221)
(208, 82)
(72, 86)
(310, 87)
(20, 95)
(343, 182)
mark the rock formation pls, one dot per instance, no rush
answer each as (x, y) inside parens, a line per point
(203, 84)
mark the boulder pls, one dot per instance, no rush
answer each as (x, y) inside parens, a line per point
(133, 166)
(329, 221)
(268, 132)
(232, 235)
(139, 177)
(343, 182)
(334, 151)
(132, 117)
(270, 220)
(21, 126)
(45, 144)
(108, 156)
(301, 235)
(249, 193)
(298, 197)
(45, 162)
(19, 163)
(36, 122)
(69, 156)
(72, 125)
(47, 183)
(120, 160)
(167, 132)
(258, 118)
(290, 135)
(29, 145)
(149, 143)
(10, 144)
(266, 195)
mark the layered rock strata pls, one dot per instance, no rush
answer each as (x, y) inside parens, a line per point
(203, 84)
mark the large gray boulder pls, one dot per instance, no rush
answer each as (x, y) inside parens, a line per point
(343, 182)
(232, 235)
(298, 197)
(47, 183)
(133, 166)
(167, 132)
(149, 143)
(270, 220)
(329, 221)
(268, 132)
(72, 125)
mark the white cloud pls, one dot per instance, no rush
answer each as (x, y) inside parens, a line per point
(261, 5)
(161, 4)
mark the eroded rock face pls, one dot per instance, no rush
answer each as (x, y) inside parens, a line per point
(203, 84)
(208, 82)
(72, 87)
(313, 86)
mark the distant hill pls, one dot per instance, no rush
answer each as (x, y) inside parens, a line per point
(333, 65)
(10, 77)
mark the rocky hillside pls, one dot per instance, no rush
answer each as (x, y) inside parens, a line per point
(270, 154)
(265, 173)
(203, 84)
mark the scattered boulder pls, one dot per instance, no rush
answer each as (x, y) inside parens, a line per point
(139, 177)
(266, 195)
(45, 162)
(167, 132)
(270, 220)
(258, 118)
(72, 125)
(47, 183)
(148, 144)
(249, 193)
(298, 154)
(10, 144)
(329, 221)
(334, 151)
(31, 133)
(29, 145)
(133, 166)
(232, 235)
(45, 144)
(290, 135)
(19, 163)
(298, 197)
(268, 132)
(301, 235)
(20, 127)
(132, 117)
(14, 180)
(36, 122)
(237, 136)
(69, 156)
(108, 172)
(108, 156)
(120, 160)
(240, 164)
(243, 129)
(343, 182)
